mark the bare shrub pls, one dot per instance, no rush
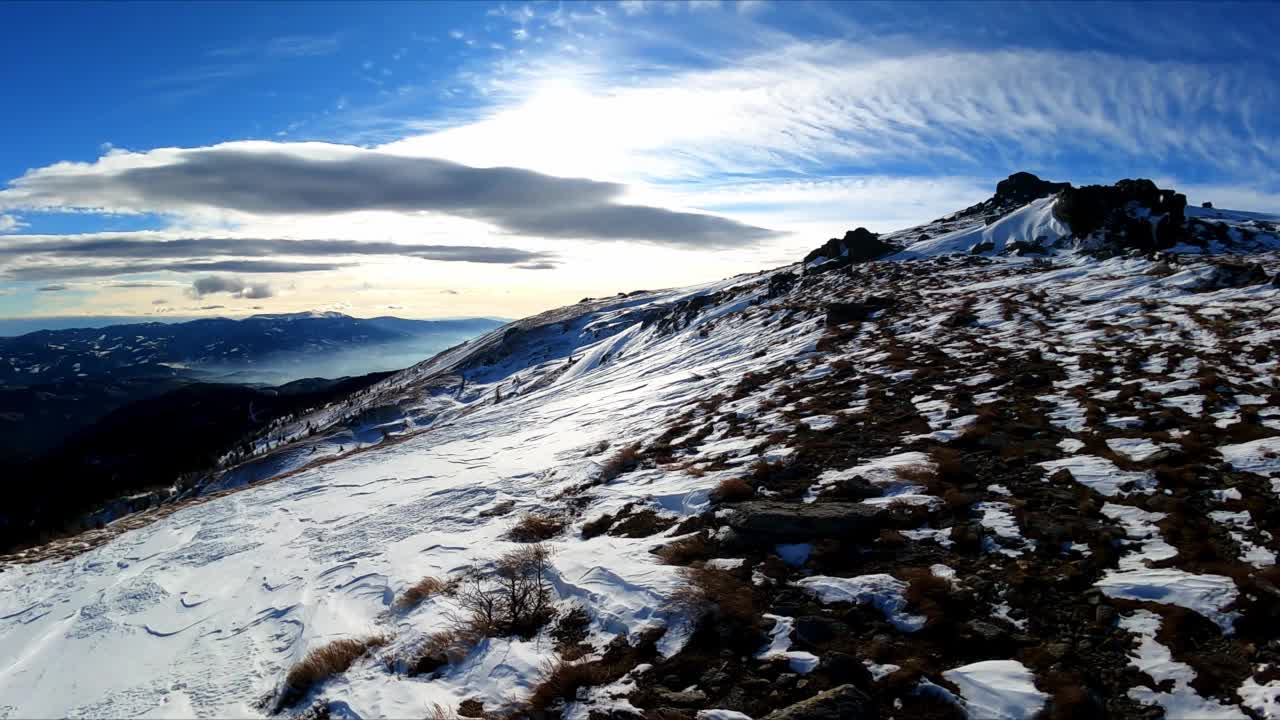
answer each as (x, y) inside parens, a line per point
(920, 474)
(325, 662)
(570, 633)
(440, 649)
(514, 600)
(536, 527)
(733, 490)
(419, 591)
(685, 550)
(561, 680)
(623, 461)
(709, 590)
(599, 526)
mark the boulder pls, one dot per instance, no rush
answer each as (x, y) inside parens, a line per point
(1230, 274)
(780, 520)
(860, 245)
(845, 702)
(839, 313)
(1021, 188)
(1133, 214)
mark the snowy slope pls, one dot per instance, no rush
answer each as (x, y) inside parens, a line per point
(1032, 222)
(252, 580)
(1035, 375)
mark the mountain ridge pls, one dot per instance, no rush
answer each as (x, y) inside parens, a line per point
(914, 486)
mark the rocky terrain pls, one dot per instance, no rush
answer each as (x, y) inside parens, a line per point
(1023, 461)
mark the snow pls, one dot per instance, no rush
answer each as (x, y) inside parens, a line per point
(1262, 699)
(1028, 223)
(722, 715)
(795, 554)
(1138, 449)
(1208, 595)
(1070, 445)
(780, 644)
(880, 671)
(1140, 526)
(213, 603)
(1260, 457)
(998, 518)
(1101, 475)
(1181, 701)
(998, 690)
(882, 591)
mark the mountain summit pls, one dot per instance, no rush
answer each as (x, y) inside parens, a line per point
(1022, 461)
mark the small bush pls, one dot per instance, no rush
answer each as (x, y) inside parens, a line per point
(440, 649)
(514, 600)
(918, 474)
(323, 663)
(685, 550)
(562, 679)
(733, 490)
(419, 591)
(641, 524)
(599, 526)
(623, 461)
(570, 633)
(536, 527)
(708, 590)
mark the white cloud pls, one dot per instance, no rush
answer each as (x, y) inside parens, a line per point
(805, 107)
(9, 223)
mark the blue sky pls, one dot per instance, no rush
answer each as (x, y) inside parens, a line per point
(500, 158)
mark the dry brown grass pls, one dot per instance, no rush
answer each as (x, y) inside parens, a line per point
(419, 591)
(919, 474)
(441, 648)
(708, 590)
(325, 662)
(733, 490)
(561, 680)
(685, 550)
(536, 527)
(623, 461)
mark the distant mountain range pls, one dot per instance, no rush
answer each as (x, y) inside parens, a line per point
(209, 348)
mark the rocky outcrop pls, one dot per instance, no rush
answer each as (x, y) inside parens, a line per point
(860, 245)
(1012, 193)
(1132, 214)
(780, 520)
(840, 313)
(1227, 274)
(1021, 188)
(845, 702)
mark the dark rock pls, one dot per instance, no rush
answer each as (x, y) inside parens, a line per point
(691, 698)
(780, 284)
(856, 246)
(847, 668)
(845, 702)
(984, 632)
(1021, 188)
(776, 520)
(1206, 204)
(979, 248)
(817, 630)
(1125, 211)
(839, 313)
(500, 509)
(1228, 274)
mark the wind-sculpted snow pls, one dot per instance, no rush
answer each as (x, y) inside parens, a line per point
(1010, 505)
(211, 604)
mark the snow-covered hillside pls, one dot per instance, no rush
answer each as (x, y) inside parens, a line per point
(927, 486)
